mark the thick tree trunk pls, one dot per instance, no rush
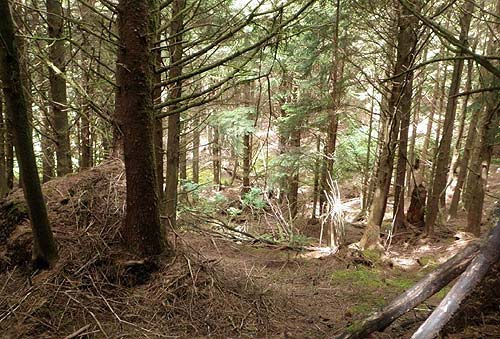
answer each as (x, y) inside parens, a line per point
(475, 272)
(142, 231)
(438, 189)
(405, 112)
(59, 102)
(404, 60)
(487, 137)
(414, 296)
(174, 120)
(44, 246)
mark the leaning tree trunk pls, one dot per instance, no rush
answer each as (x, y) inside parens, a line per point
(414, 296)
(443, 157)
(44, 246)
(142, 231)
(174, 120)
(475, 272)
(59, 102)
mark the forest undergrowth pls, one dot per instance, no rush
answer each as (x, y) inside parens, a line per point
(215, 285)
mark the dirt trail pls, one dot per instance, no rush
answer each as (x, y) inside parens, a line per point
(326, 295)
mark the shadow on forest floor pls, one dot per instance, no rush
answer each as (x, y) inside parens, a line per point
(214, 286)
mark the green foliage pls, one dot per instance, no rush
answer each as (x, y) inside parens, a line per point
(235, 124)
(254, 198)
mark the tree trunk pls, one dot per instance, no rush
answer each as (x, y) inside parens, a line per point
(366, 175)
(405, 57)
(4, 189)
(414, 296)
(216, 157)
(183, 152)
(57, 53)
(48, 161)
(294, 184)
(475, 272)
(443, 157)
(247, 141)
(404, 110)
(335, 92)
(44, 246)
(142, 231)
(424, 155)
(196, 149)
(155, 23)
(174, 120)
(463, 160)
(9, 151)
(316, 187)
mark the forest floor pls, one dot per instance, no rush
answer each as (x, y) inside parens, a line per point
(215, 285)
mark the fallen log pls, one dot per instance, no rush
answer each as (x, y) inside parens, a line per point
(489, 254)
(421, 291)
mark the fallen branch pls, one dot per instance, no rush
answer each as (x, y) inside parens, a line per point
(414, 296)
(488, 255)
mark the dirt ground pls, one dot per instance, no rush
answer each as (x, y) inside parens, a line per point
(214, 286)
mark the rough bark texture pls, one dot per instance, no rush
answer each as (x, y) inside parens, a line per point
(59, 100)
(404, 59)
(142, 231)
(488, 256)
(443, 156)
(414, 296)
(174, 120)
(44, 246)
(460, 167)
(407, 51)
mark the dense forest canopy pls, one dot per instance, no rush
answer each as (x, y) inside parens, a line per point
(263, 117)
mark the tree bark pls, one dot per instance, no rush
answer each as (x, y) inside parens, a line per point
(44, 247)
(443, 157)
(142, 231)
(404, 59)
(174, 120)
(59, 102)
(4, 189)
(488, 256)
(216, 157)
(421, 291)
(196, 149)
(461, 168)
